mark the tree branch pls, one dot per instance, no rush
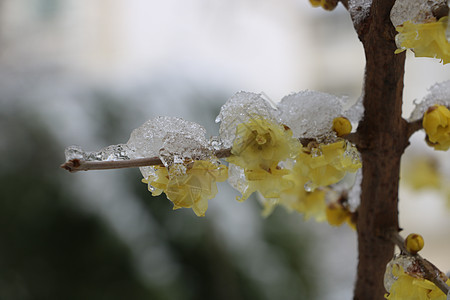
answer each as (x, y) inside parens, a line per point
(413, 127)
(432, 273)
(382, 141)
(345, 3)
(75, 165)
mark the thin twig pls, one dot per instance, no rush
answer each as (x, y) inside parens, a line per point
(75, 165)
(432, 273)
(414, 126)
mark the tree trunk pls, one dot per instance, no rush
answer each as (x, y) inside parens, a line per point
(382, 138)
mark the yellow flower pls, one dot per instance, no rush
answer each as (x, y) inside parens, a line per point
(412, 288)
(295, 197)
(326, 164)
(189, 185)
(436, 122)
(326, 4)
(421, 173)
(426, 40)
(260, 143)
(338, 214)
(158, 181)
(312, 205)
(269, 182)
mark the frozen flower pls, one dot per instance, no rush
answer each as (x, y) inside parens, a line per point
(425, 39)
(326, 164)
(269, 182)
(190, 185)
(260, 143)
(407, 286)
(294, 197)
(436, 122)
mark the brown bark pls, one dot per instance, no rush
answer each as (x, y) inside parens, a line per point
(382, 138)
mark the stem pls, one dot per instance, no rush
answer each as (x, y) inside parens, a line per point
(432, 273)
(75, 165)
(414, 126)
(382, 138)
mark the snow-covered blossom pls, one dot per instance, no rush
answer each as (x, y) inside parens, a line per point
(403, 280)
(267, 156)
(190, 185)
(325, 164)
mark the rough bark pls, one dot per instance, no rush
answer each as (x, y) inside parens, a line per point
(382, 138)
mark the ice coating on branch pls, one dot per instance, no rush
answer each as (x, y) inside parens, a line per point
(416, 11)
(177, 147)
(163, 136)
(359, 9)
(310, 114)
(439, 93)
(240, 108)
(404, 261)
(109, 153)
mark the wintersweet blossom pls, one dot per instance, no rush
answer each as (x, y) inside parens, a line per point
(436, 122)
(422, 173)
(337, 214)
(190, 185)
(269, 182)
(410, 287)
(296, 198)
(326, 164)
(325, 4)
(425, 39)
(260, 145)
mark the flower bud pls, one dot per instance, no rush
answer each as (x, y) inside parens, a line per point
(436, 122)
(342, 126)
(414, 243)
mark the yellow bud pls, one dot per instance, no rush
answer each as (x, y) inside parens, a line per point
(342, 126)
(436, 122)
(414, 243)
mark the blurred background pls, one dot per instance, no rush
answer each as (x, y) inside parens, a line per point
(89, 72)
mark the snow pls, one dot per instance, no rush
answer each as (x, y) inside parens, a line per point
(439, 93)
(416, 11)
(359, 10)
(239, 109)
(310, 114)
